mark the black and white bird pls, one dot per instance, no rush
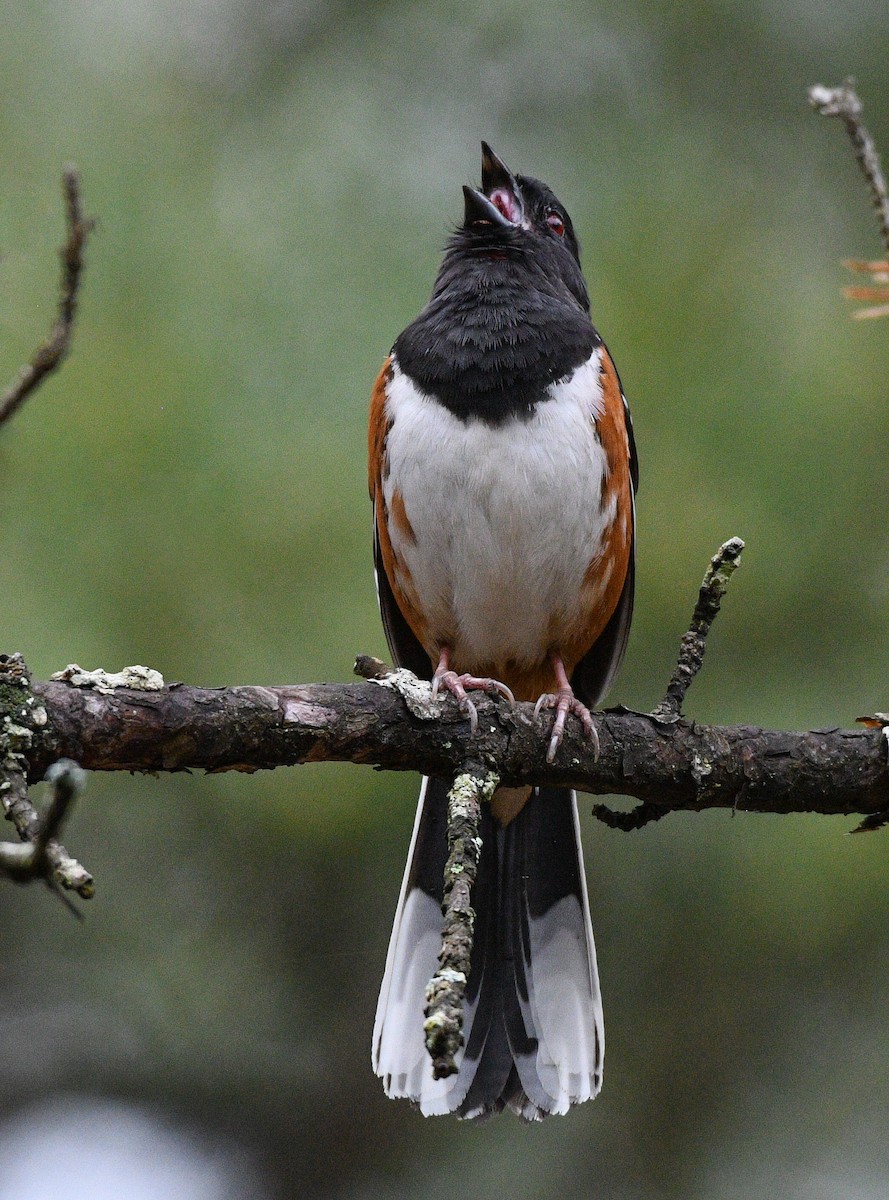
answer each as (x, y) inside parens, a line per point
(502, 471)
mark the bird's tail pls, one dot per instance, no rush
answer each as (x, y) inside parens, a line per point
(534, 1039)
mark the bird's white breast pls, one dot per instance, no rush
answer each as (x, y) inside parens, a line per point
(505, 518)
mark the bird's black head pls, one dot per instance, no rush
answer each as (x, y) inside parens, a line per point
(509, 314)
(516, 217)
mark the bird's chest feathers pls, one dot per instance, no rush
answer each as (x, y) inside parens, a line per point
(499, 522)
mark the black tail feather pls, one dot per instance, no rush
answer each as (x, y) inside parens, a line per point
(533, 1018)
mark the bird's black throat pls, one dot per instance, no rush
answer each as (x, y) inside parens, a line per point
(498, 330)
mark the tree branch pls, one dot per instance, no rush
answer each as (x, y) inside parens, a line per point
(691, 652)
(40, 856)
(843, 102)
(50, 354)
(132, 721)
(394, 724)
(443, 1023)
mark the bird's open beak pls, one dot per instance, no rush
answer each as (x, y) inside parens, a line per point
(495, 172)
(499, 203)
(480, 210)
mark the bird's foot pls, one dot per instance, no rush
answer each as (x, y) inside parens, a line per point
(564, 702)
(458, 685)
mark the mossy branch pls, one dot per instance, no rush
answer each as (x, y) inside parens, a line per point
(392, 722)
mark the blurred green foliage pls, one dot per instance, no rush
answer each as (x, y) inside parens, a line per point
(274, 183)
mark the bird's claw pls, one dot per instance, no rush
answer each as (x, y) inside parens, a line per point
(564, 702)
(458, 685)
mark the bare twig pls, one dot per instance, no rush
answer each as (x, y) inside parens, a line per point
(691, 658)
(68, 780)
(443, 1025)
(843, 102)
(52, 858)
(41, 855)
(49, 356)
(693, 645)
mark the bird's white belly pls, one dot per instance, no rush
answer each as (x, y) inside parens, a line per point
(505, 519)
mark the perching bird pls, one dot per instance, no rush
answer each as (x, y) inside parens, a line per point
(502, 472)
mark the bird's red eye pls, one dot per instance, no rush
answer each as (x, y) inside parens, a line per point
(555, 222)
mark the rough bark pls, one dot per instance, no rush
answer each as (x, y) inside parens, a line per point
(443, 1014)
(393, 723)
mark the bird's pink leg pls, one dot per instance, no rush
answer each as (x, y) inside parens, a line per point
(447, 680)
(564, 702)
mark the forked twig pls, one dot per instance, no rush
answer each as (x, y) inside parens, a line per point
(41, 855)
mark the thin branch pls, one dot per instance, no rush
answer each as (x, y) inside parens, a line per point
(694, 643)
(49, 356)
(443, 1025)
(691, 658)
(843, 102)
(16, 857)
(41, 855)
(68, 780)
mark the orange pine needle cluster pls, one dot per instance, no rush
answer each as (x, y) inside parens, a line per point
(876, 296)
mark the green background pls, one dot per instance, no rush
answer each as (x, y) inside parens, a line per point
(274, 183)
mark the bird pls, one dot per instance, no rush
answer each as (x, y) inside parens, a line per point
(502, 469)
